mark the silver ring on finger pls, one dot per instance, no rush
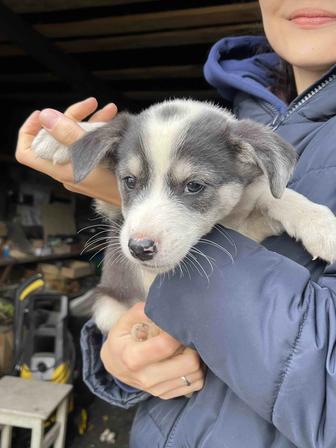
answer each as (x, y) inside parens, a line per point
(186, 381)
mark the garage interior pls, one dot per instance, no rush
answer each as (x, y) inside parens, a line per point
(52, 54)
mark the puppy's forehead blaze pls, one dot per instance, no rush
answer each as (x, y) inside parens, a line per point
(160, 140)
(134, 164)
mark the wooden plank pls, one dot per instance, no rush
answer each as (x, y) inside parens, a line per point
(29, 6)
(151, 40)
(158, 21)
(139, 73)
(5, 261)
(146, 96)
(55, 60)
(159, 95)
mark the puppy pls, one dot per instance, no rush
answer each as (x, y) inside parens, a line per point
(184, 166)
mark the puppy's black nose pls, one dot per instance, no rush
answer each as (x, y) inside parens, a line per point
(142, 249)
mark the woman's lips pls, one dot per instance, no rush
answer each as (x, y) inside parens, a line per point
(312, 18)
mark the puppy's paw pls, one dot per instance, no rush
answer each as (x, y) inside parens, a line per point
(107, 312)
(318, 233)
(48, 148)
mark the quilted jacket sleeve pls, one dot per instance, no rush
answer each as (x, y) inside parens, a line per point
(102, 384)
(265, 328)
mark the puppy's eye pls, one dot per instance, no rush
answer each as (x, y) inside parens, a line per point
(130, 182)
(194, 187)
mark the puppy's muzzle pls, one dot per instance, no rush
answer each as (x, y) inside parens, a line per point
(143, 249)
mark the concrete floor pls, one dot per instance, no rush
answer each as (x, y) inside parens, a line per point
(104, 416)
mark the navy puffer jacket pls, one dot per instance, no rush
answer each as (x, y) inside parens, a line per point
(266, 325)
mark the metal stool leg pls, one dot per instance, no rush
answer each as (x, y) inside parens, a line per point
(6, 437)
(37, 434)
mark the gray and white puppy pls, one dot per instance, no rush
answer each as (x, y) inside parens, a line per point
(183, 166)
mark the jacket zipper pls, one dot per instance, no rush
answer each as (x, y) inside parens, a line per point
(171, 436)
(280, 118)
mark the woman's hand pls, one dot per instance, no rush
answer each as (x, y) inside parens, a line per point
(156, 365)
(63, 127)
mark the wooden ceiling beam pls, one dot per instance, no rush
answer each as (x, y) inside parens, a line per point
(30, 6)
(151, 95)
(151, 40)
(138, 73)
(158, 21)
(51, 57)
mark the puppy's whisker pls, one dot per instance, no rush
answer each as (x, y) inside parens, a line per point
(93, 226)
(196, 263)
(115, 225)
(98, 252)
(202, 254)
(218, 246)
(107, 237)
(185, 264)
(201, 267)
(193, 265)
(93, 242)
(222, 232)
(181, 270)
(96, 218)
(95, 235)
(94, 247)
(118, 257)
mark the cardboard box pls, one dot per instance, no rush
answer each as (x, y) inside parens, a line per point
(62, 249)
(6, 348)
(53, 270)
(77, 269)
(37, 243)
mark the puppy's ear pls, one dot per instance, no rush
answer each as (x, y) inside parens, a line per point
(261, 146)
(87, 152)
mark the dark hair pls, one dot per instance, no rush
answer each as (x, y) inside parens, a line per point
(281, 77)
(284, 82)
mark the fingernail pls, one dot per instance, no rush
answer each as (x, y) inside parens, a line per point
(110, 105)
(49, 118)
(34, 115)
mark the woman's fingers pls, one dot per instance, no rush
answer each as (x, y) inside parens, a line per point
(27, 133)
(79, 111)
(134, 315)
(62, 128)
(186, 363)
(178, 387)
(157, 365)
(177, 383)
(140, 354)
(105, 114)
(184, 390)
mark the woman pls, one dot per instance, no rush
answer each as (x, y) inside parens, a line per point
(267, 331)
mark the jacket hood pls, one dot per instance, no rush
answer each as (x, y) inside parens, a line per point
(244, 64)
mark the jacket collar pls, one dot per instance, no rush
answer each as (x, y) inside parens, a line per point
(246, 65)
(243, 64)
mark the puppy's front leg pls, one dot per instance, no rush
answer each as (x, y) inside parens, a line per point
(120, 287)
(313, 224)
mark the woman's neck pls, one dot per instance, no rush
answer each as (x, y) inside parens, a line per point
(304, 77)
